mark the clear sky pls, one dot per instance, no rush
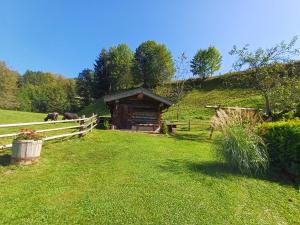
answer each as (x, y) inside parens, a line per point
(65, 36)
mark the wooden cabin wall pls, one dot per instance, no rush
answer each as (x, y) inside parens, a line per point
(131, 111)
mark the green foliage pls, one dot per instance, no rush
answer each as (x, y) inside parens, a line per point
(269, 74)
(164, 128)
(105, 125)
(113, 70)
(121, 61)
(101, 68)
(283, 140)
(46, 92)
(243, 149)
(240, 145)
(153, 64)
(8, 87)
(285, 97)
(206, 62)
(85, 86)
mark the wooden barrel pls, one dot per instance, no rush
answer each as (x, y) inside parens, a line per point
(26, 151)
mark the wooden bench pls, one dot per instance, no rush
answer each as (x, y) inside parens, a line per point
(171, 127)
(151, 125)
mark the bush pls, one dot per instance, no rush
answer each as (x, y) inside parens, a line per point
(240, 145)
(164, 128)
(106, 125)
(283, 141)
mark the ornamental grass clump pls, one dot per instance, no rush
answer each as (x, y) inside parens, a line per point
(241, 146)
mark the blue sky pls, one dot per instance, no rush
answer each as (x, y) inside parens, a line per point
(65, 36)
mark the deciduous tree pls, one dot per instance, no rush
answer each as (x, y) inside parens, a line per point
(206, 62)
(85, 86)
(270, 71)
(153, 64)
(8, 87)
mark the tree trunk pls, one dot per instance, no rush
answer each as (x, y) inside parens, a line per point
(177, 112)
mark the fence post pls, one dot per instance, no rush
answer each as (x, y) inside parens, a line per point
(92, 121)
(82, 125)
(189, 125)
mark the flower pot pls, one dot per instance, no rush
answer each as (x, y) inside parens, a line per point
(26, 151)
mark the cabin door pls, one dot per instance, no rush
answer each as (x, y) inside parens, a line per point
(124, 117)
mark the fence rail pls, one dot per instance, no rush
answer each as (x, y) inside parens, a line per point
(189, 124)
(86, 125)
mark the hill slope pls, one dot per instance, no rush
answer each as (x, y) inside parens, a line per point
(193, 104)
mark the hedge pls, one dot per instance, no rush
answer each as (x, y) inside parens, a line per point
(283, 141)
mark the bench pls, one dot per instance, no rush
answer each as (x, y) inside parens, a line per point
(148, 125)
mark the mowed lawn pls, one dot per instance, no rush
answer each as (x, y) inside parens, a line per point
(119, 177)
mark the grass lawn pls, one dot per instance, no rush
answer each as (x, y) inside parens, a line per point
(8, 116)
(118, 177)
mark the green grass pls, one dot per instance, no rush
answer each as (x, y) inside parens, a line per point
(114, 177)
(98, 107)
(8, 116)
(118, 177)
(193, 104)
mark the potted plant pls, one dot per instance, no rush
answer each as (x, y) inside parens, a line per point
(26, 147)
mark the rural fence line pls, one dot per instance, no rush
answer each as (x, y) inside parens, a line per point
(190, 123)
(86, 125)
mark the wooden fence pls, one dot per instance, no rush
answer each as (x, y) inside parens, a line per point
(85, 125)
(192, 124)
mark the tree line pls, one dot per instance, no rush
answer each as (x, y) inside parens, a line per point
(150, 66)
(117, 68)
(36, 91)
(270, 71)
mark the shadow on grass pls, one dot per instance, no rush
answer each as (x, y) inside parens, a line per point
(5, 159)
(221, 170)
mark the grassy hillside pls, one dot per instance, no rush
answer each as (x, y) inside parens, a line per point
(193, 104)
(99, 107)
(9, 116)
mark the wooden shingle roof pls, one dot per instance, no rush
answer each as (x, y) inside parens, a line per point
(146, 92)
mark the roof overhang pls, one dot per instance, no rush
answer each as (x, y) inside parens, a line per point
(137, 91)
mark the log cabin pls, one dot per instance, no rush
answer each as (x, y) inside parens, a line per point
(137, 109)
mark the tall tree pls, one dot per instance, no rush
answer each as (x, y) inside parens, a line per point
(85, 85)
(102, 71)
(270, 71)
(120, 74)
(8, 87)
(153, 64)
(206, 62)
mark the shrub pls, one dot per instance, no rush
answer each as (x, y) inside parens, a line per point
(283, 141)
(164, 128)
(105, 125)
(240, 145)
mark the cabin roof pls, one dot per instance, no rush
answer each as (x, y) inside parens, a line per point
(125, 94)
